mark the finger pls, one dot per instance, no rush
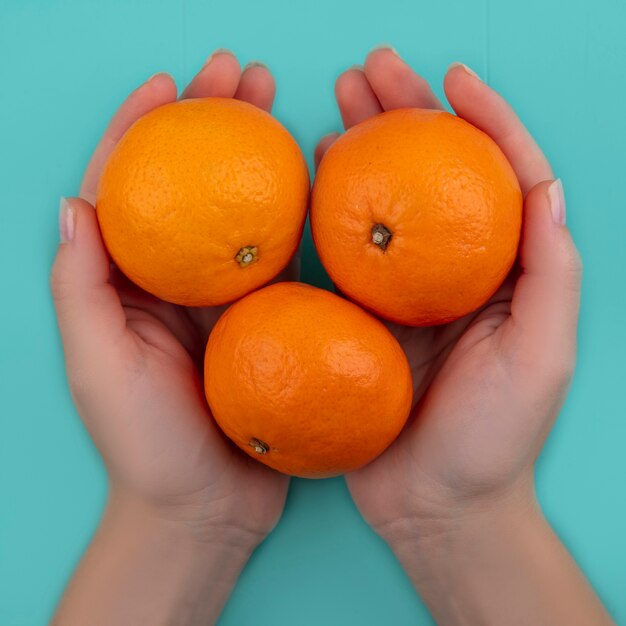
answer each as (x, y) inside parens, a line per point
(257, 86)
(158, 90)
(395, 84)
(89, 311)
(323, 145)
(218, 78)
(174, 318)
(480, 105)
(544, 310)
(355, 97)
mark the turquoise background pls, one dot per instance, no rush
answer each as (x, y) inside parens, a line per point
(65, 65)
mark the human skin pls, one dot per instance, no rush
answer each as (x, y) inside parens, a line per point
(185, 508)
(454, 495)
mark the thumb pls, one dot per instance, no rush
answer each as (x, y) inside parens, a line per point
(88, 309)
(546, 300)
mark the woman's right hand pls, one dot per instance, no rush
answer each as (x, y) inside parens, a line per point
(186, 508)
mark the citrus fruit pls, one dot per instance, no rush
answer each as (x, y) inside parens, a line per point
(416, 215)
(305, 381)
(203, 200)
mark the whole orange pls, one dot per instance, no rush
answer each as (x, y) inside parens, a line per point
(203, 200)
(416, 215)
(305, 381)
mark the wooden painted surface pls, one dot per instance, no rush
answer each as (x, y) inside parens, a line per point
(64, 67)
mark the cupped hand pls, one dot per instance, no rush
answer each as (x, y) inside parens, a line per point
(488, 386)
(134, 362)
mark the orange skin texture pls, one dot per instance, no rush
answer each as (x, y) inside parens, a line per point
(192, 183)
(449, 197)
(319, 380)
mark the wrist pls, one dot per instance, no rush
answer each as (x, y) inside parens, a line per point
(199, 527)
(496, 560)
(426, 543)
(147, 567)
(451, 559)
(205, 525)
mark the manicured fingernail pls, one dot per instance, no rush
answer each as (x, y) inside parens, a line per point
(384, 46)
(252, 64)
(470, 71)
(219, 51)
(557, 202)
(66, 221)
(157, 74)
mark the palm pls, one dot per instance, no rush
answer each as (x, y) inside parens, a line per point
(453, 366)
(426, 348)
(166, 343)
(178, 454)
(162, 441)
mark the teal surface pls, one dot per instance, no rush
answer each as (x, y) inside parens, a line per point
(65, 65)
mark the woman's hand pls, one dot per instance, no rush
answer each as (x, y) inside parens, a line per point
(183, 501)
(488, 386)
(454, 496)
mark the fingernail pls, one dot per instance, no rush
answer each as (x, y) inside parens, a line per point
(384, 46)
(557, 202)
(155, 75)
(357, 66)
(66, 221)
(219, 51)
(470, 71)
(252, 64)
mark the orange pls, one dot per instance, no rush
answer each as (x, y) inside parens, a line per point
(305, 381)
(416, 216)
(203, 200)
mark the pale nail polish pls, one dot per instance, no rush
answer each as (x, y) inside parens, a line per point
(66, 221)
(155, 75)
(557, 202)
(252, 64)
(470, 71)
(384, 46)
(218, 51)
